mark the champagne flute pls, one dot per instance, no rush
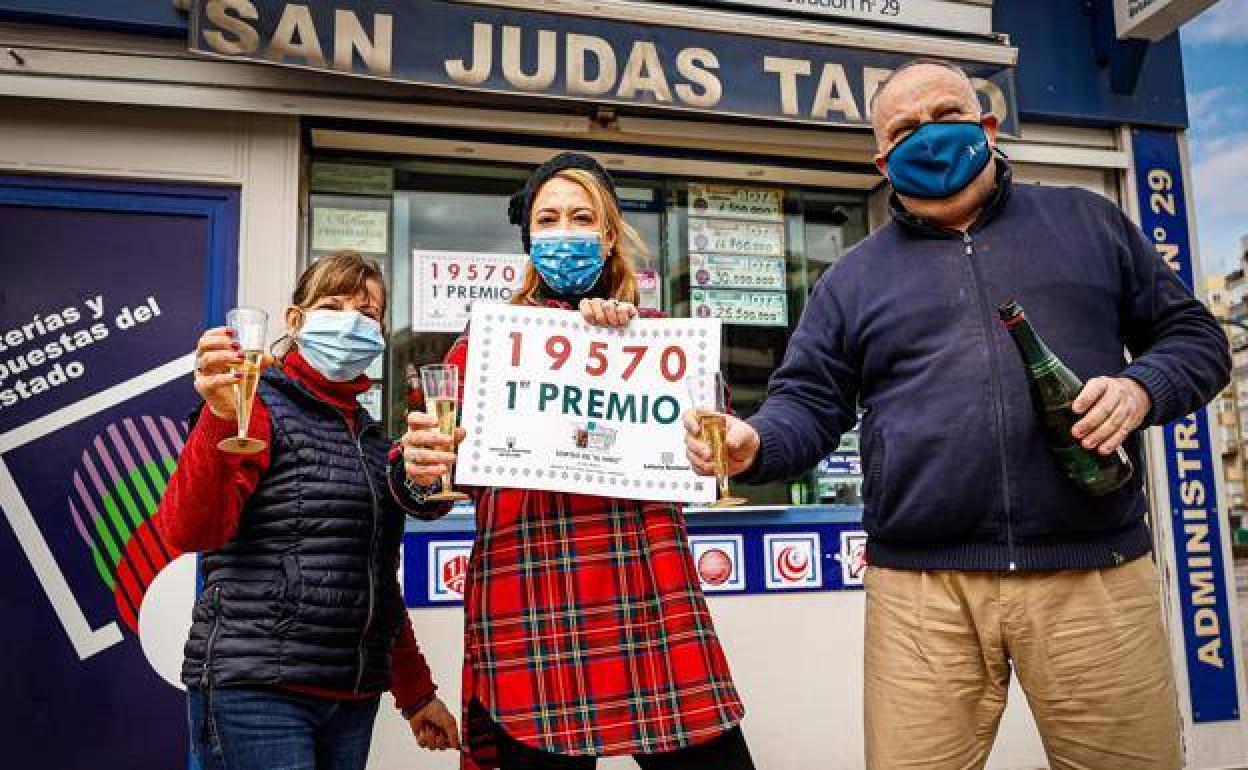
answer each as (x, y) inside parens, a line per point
(249, 325)
(440, 383)
(713, 422)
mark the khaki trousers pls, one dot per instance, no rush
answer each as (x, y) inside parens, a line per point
(1088, 648)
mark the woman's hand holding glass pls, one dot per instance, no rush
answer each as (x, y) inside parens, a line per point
(218, 357)
(428, 455)
(215, 352)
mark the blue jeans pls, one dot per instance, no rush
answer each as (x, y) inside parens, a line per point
(244, 728)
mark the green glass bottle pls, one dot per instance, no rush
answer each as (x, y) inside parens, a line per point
(1054, 388)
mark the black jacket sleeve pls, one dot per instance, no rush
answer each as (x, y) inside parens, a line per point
(811, 399)
(1180, 352)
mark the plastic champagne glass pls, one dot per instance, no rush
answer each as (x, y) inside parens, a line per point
(249, 325)
(712, 410)
(440, 383)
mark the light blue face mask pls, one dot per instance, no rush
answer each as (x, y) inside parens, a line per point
(569, 261)
(938, 160)
(340, 344)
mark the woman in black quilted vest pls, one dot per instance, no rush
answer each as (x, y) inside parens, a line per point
(301, 625)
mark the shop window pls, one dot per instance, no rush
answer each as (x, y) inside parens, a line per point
(747, 254)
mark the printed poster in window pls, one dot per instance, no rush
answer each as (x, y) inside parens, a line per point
(726, 236)
(447, 283)
(650, 294)
(729, 202)
(734, 271)
(336, 229)
(746, 308)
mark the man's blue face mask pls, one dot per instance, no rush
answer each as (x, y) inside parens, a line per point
(938, 160)
(569, 261)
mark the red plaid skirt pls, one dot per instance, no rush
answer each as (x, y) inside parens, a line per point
(586, 632)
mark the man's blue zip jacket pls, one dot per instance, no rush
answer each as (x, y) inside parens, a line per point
(957, 470)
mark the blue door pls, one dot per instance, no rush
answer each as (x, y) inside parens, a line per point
(105, 288)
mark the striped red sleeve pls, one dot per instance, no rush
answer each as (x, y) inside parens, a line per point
(204, 499)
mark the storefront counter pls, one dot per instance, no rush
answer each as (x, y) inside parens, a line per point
(784, 587)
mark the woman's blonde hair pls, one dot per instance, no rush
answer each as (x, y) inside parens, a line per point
(621, 266)
(342, 273)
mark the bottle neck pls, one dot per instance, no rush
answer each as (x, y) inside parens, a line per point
(1039, 359)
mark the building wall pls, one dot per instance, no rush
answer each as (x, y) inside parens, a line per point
(259, 154)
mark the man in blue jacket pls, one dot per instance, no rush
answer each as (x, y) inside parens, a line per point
(986, 561)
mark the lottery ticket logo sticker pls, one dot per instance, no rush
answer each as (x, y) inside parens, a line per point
(793, 561)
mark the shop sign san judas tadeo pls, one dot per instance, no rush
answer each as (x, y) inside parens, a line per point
(501, 50)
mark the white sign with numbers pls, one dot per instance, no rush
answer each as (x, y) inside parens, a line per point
(552, 402)
(446, 284)
(721, 201)
(747, 308)
(727, 236)
(733, 271)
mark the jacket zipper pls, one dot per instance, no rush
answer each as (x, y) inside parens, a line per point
(997, 398)
(212, 636)
(372, 545)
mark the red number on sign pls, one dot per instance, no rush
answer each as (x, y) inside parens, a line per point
(434, 265)
(472, 272)
(638, 352)
(598, 367)
(489, 271)
(666, 364)
(559, 349)
(453, 269)
(509, 273)
(516, 339)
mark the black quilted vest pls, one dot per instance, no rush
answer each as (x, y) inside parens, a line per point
(307, 591)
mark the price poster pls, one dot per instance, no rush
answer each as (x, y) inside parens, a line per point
(737, 272)
(553, 403)
(724, 236)
(760, 205)
(446, 284)
(363, 231)
(756, 308)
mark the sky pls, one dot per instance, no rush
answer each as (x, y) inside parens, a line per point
(1215, 64)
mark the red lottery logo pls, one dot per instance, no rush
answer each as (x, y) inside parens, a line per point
(454, 572)
(792, 564)
(714, 567)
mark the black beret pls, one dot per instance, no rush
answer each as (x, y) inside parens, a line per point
(520, 208)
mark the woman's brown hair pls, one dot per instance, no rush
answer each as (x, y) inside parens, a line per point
(621, 264)
(342, 273)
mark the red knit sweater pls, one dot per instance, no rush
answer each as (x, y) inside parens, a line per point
(206, 494)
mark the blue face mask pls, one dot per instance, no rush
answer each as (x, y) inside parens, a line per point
(569, 261)
(340, 344)
(938, 160)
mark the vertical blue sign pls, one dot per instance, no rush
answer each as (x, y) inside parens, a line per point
(1195, 514)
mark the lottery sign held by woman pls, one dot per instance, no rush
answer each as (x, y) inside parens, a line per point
(552, 402)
